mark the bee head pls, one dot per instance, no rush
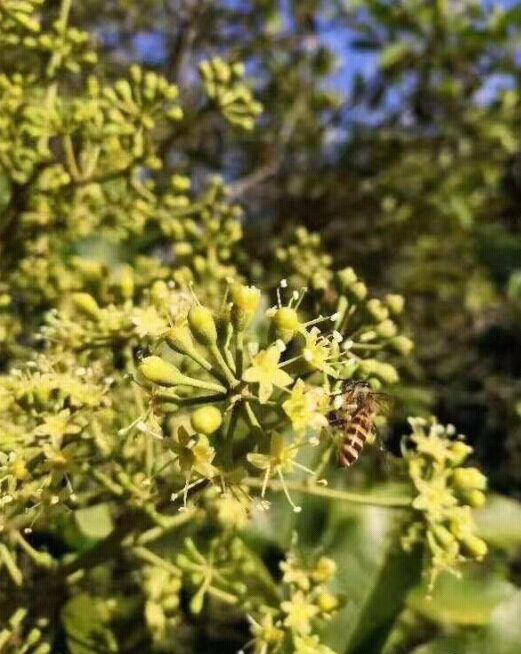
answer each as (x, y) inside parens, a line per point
(357, 385)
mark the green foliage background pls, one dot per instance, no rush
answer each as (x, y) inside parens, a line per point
(410, 174)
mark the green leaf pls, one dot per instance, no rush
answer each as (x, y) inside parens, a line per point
(501, 636)
(95, 522)
(374, 574)
(499, 522)
(466, 601)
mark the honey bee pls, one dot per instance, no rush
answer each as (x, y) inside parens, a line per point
(355, 417)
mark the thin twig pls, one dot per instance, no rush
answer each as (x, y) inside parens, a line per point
(332, 493)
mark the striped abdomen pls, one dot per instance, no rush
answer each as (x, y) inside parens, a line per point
(355, 436)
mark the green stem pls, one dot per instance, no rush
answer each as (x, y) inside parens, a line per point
(9, 562)
(228, 443)
(167, 523)
(332, 494)
(149, 557)
(240, 354)
(65, 10)
(188, 401)
(41, 559)
(106, 481)
(252, 418)
(204, 385)
(230, 378)
(71, 158)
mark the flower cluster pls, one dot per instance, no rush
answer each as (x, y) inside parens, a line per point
(306, 602)
(446, 495)
(224, 85)
(52, 419)
(162, 613)
(14, 632)
(233, 403)
(304, 261)
(80, 175)
(149, 398)
(62, 47)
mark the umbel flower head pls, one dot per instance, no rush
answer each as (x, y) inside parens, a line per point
(305, 603)
(250, 394)
(446, 494)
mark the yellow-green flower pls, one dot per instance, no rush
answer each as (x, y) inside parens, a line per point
(265, 371)
(56, 426)
(293, 574)
(299, 611)
(267, 635)
(307, 407)
(280, 460)
(195, 454)
(230, 512)
(320, 352)
(310, 645)
(148, 322)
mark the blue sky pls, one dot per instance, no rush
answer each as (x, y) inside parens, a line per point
(151, 48)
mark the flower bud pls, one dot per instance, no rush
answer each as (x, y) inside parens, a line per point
(386, 329)
(158, 371)
(246, 300)
(443, 536)
(155, 616)
(196, 603)
(325, 570)
(469, 479)
(179, 338)
(346, 277)
(460, 451)
(475, 498)
(206, 420)
(475, 546)
(402, 344)
(19, 470)
(395, 303)
(159, 292)
(367, 336)
(384, 371)
(359, 290)
(202, 325)
(327, 602)
(182, 249)
(377, 309)
(285, 324)
(180, 183)
(86, 303)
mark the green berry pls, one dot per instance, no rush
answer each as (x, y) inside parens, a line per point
(206, 420)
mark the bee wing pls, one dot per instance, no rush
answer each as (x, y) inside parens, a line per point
(384, 403)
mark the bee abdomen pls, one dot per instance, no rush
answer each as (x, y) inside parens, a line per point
(355, 438)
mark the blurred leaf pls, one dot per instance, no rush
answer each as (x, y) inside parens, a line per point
(94, 522)
(499, 522)
(5, 193)
(499, 250)
(512, 17)
(374, 574)
(501, 636)
(84, 620)
(460, 601)
(394, 54)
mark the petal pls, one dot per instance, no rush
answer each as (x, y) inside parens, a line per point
(265, 391)
(261, 461)
(251, 375)
(281, 378)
